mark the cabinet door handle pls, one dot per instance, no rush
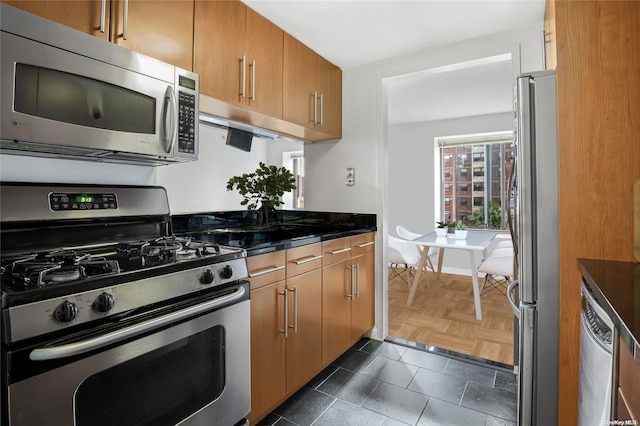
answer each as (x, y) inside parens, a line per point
(307, 260)
(366, 244)
(340, 251)
(351, 293)
(315, 107)
(357, 266)
(321, 109)
(266, 271)
(125, 20)
(253, 80)
(295, 310)
(243, 75)
(285, 331)
(103, 15)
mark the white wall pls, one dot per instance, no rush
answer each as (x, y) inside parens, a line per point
(192, 187)
(201, 186)
(15, 168)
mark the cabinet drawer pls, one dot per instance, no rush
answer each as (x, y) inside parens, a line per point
(266, 268)
(304, 259)
(336, 250)
(361, 244)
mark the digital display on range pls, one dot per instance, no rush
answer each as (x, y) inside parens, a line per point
(59, 201)
(84, 198)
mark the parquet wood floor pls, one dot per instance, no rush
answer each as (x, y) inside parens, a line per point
(443, 316)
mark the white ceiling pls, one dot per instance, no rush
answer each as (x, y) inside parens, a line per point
(351, 33)
(462, 90)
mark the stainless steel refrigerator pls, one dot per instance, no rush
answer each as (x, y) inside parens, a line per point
(534, 294)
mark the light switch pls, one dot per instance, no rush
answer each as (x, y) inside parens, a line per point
(350, 179)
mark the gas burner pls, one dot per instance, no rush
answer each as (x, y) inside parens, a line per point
(175, 249)
(131, 248)
(66, 256)
(56, 267)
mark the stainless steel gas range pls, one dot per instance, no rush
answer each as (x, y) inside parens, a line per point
(108, 319)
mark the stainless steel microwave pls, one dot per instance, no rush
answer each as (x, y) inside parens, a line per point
(67, 94)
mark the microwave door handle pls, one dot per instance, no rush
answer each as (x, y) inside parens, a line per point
(169, 114)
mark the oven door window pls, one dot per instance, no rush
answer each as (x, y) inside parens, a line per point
(159, 388)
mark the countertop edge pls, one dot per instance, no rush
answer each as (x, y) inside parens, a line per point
(304, 240)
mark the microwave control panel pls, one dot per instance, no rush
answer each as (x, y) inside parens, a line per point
(186, 122)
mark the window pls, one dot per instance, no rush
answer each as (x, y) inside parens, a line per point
(470, 188)
(294, 162)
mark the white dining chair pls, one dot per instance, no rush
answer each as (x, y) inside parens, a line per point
(498, 270)
(405, 234)
(403, 258)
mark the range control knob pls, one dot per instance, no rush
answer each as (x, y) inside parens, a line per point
(207, 277)
(103, 303)
(65, 312)
(226, 272)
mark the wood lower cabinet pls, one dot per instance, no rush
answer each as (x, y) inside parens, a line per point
(267, 349)
(268, 356)
(362, 305)
(348, 293)
(304, 339)
(628, 392)
(282, 362)
(163, 30)
(336, 309)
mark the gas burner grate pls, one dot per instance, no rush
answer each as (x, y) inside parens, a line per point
(56, 267)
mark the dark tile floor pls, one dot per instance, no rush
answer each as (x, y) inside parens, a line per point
(385, 384)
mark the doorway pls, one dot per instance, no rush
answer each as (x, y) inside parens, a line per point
(465, 98)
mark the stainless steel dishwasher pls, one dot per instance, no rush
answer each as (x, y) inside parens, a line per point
(596, 363)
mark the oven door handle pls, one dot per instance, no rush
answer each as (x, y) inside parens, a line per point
(76, 348)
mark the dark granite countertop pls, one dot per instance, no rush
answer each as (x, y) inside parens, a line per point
(289, 229)
(616, 287)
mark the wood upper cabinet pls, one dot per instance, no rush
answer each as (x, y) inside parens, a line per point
(238, 55)
(163, 30)
(312, 89)
(81, 15)
(160, 29)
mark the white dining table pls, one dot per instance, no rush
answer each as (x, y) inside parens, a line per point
(476, 242)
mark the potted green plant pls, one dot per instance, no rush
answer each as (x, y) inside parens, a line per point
(441, 229)
(266, 186)
(461, 231)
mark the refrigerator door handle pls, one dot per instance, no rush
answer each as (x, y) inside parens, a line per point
(512, 303)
